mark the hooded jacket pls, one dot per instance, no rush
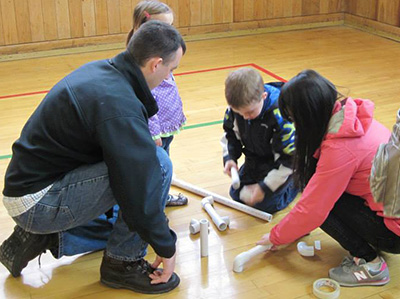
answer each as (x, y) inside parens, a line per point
(267, 142)
(344, 165)
(98, 113)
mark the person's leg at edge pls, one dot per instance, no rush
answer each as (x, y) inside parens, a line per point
(126, 245)
(66, 205)
(123, 265)
(363, 233)
(173, 200)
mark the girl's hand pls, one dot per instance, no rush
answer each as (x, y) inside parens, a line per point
(158, 142)
(265, 241)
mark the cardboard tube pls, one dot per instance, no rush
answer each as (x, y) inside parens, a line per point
(194, 226)
(204, 237)
(242, 258)
(235, 178)
(222, 200)
(207, 202)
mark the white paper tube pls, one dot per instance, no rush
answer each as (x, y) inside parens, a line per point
(235, 178)
(204, 237)
(194, 226)
(317, 244)
(244, 257)
(207, 202)
(222, 200)
(304, 249)
(226, 220)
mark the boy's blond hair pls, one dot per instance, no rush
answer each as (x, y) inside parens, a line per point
(243, 87)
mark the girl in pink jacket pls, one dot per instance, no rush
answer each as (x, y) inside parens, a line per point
(336, 141)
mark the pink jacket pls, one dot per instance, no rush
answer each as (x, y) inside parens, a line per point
(344, 165)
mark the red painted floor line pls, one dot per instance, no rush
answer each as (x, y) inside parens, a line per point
(23, 94)
(178, 74)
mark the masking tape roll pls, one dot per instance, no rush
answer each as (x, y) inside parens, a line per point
(318, 288)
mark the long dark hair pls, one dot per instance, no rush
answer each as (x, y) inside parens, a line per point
(307, 100)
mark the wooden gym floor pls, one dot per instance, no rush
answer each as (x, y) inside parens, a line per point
(361, 64)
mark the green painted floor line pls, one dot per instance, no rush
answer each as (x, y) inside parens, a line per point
(211, 123)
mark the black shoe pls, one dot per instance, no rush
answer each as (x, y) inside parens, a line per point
(176, 200)
(133, 276)
(22, 247)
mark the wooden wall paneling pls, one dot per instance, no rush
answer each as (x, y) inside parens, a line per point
(324, 6)
(63, 21)
(114, 21)
(101, 17)
(248, 10)
(337, 6)
(36, 17)
(88, 18)
(388, 12)
(238, 13)
(195, 12)
(367, 9)
(23, 21)
(126, 11)
(217, 8)
(49, 19)
(259, 9)
(351, 6)
(227, 11)
(75, 16)
(207, 12)
(310, 7)
(297, 8)
(269, 9)
(1, 28)
(9, 22)
(184, 13)
(278, 11)
(174, 5)
(288, 8)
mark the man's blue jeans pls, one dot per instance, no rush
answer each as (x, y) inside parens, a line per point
(74, 208)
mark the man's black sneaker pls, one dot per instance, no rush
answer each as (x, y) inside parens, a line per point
(22, 247)
(133, 276)
(176, 200)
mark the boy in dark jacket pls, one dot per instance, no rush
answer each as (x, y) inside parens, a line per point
(254, 126)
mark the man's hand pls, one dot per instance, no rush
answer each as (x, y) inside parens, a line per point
(228, 165)
(162, 276)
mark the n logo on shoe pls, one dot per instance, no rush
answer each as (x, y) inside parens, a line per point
(360, 275)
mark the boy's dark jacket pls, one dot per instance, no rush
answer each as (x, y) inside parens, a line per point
(98, 113)
(261, 140)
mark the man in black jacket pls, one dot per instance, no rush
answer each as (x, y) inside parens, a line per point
(86, 148)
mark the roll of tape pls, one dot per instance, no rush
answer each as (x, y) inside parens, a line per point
(325, 288)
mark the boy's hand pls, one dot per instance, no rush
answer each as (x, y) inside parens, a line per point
(228, 165)
(257, 195)
(158, 142)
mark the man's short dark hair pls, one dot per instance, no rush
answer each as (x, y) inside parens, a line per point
(155, 39)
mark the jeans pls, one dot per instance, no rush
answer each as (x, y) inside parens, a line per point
(166, 141)
(358, 229)
(273, 202)
(74, 208)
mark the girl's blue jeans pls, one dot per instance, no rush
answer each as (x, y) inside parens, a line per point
(74, 208)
